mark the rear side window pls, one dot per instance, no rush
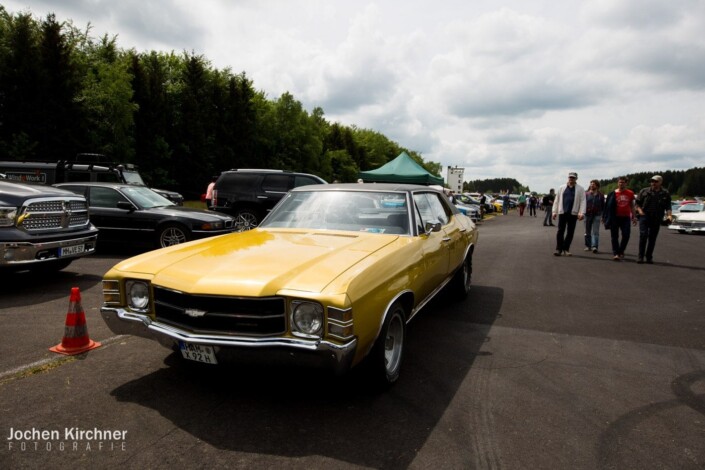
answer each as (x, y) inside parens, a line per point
(236, 182)
(300, 180)
(277, 183)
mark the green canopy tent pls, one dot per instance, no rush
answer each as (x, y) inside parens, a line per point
(402, 169)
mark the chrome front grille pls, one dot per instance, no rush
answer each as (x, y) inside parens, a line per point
(221, 314)
(53, 213)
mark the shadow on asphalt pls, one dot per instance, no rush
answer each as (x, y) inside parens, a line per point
(628, 427)
(24, 285)
(295, 412)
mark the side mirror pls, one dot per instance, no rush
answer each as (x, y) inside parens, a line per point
(125, 206)
(431, 227)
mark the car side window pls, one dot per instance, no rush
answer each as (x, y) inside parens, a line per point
(431, 209)
(276, 183)
(424, 209)
(440, 210)
(105, 197)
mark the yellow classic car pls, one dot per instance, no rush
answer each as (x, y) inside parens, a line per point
(331, 277)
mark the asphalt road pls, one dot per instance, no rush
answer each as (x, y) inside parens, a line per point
(552, 362)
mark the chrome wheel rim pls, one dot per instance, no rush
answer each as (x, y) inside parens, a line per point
(172, 236)
(393, 343)
(246, 221)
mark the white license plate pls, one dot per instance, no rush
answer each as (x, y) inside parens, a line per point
(71, 250)
(198, 353)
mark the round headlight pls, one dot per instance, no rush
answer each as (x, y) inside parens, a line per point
(308, 318)
(137, 294)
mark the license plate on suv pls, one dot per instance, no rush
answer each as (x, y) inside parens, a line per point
(71, 250)
(198, 352)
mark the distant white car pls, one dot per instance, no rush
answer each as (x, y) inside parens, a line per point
(688, 222)
(691, 207)
(471, 211)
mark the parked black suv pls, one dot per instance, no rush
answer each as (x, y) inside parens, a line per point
(249, 194)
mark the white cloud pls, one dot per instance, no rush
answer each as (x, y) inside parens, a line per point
(525, 89)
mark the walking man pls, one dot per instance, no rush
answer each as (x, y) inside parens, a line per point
(533, 202)
(595, 203)
(650, 206)
(618, 213)
(568, 208)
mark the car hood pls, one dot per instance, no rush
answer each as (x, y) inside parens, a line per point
(27, 190)
(257, 262)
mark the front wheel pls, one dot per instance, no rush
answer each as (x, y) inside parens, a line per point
(388, 351)
(246, 219)
(460, 284)
(172, 234)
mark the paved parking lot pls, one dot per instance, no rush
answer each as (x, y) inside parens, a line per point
(577, 362)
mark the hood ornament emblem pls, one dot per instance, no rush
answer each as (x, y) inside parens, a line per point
(195, 313)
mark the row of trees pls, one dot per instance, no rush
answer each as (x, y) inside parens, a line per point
(684, 183)
(63, 92)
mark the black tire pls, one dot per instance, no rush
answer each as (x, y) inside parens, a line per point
(462, 280)
(246, 219)
(387, 353)
(172, 234)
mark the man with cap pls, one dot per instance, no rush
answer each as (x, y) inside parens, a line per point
(568, 207)
(651, 203)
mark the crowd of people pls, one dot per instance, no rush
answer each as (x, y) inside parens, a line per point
(618, 211)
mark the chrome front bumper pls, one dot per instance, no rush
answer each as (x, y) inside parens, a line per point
(687, 227)
(317, 353)
(21, 252)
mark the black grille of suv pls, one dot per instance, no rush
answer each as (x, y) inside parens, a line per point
(53, 213)
(221, 314)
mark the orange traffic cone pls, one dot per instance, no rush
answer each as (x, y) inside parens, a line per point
(76, 340)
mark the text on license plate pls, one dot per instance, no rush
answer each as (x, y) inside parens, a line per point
(71, 250)
(198, 352)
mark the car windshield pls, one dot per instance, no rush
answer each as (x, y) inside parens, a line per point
(356, 211)
(691, 208)
(146, 198)
(132, 177)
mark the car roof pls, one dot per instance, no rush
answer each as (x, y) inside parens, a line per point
(99, 184)
(364, 187)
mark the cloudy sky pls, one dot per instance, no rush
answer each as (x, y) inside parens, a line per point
(528, 89)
